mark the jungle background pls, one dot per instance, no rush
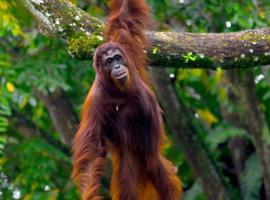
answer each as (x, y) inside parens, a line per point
(227, 112)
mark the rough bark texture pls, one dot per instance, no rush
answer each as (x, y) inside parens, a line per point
(187, 137)
(186, 50)
(62, 18)
(212, 50)
(62, 113)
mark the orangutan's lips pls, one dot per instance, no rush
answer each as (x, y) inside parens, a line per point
(121, 75)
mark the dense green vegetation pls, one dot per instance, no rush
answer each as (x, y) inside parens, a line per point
(42, 89)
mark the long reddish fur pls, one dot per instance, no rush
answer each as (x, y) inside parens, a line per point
(134, 135)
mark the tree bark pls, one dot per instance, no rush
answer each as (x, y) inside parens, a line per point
(62, 113)
(237, 145)
(255, 123)
(249, 117)
(181, 50)
(186, 135)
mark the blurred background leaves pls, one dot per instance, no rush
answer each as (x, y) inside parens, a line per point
(36, 73)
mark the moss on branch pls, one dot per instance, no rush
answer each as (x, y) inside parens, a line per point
(169, 49)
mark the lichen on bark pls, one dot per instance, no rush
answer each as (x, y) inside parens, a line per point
(226, 50)
(82, 46)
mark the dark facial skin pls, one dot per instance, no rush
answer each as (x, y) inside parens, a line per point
(115, 66)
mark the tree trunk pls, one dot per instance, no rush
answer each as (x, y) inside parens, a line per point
(255, 124)
(238, 145)
(62, 114)
(186, 135)
(250, 118)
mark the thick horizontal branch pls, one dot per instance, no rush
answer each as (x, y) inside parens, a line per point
(169, 49)
(199, 50)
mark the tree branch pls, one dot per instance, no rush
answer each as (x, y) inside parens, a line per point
(183, 50)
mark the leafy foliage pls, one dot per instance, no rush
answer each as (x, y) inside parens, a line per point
(46, 167)
(251, 178)
(222, 133)
(34, 167)
(195, 192)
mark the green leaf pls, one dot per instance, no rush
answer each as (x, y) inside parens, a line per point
(251, 180)
(189, 57)
(194, 193)
(3, 129)
(223, 133)
(155, 50)
(3, 121)
(266, 96)
(5, 109)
